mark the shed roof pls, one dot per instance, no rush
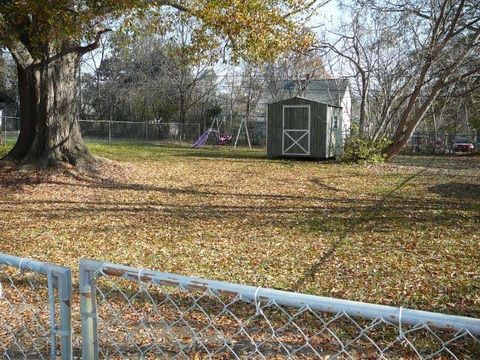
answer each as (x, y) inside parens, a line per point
(326, 91)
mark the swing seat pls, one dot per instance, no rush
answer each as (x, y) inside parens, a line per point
(225, 139)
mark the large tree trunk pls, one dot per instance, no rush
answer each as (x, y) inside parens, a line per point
(49, 130)
(410, 119)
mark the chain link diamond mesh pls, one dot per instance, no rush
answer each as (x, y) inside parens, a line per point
(144, 316)
(34, 309)
(25, 315)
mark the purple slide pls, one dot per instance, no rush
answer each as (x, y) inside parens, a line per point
(201, 140)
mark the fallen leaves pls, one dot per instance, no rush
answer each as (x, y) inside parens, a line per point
(324, 228)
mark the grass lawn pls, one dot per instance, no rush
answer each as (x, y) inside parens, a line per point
(402, 234)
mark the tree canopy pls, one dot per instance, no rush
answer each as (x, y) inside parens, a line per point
(255, 29)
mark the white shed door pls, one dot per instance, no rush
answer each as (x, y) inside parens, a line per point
(296, 130)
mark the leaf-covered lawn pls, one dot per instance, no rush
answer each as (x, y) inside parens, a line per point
(401, 234)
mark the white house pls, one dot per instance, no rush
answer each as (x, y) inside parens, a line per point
(334, 92)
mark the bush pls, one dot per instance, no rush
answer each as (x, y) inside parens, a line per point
(360, 149)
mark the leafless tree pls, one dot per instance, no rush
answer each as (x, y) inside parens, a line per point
(404, 54)
(292, 66)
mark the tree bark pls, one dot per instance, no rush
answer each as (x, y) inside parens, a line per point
(49, 130)
(410, 119)
(363, 103)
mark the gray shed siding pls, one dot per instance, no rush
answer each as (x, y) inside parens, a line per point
(318, 128)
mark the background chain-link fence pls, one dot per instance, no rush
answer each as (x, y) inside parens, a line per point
(138, 131)
(141, 132)
(132, 313)
(34, 309)
(428, 143)
(114, 131)
(9, 129)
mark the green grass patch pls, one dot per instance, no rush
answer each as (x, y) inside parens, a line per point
(124, 151)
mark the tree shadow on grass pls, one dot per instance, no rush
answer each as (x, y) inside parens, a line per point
(369, 214)
(453, 163)
(222, 154)
(467, 191)
(245, 154)
(12, 179)
(332, 215)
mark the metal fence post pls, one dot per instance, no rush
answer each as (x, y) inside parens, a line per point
(53, 326)
(5, 131)
(88, 309)
(64, 279)
(109, 131)
(59, 278)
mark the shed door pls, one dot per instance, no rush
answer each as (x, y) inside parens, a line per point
(296, 130)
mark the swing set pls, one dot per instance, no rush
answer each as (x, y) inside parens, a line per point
(223, 139)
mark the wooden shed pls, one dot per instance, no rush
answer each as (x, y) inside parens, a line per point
(304, 128)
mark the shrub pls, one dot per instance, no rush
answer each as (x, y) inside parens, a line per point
(361, 149)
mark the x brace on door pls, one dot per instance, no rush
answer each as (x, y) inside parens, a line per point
(296, 141)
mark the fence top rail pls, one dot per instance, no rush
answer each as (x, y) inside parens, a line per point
(395, 315)
(43, 268)
(121, 121)
(239, 115)
(137, 122)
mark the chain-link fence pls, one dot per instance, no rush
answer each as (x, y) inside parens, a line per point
(136, 313)
(428, 143)
(131, 313)
(35, 318)
(9, 129)
(112, 131)
(139, 131)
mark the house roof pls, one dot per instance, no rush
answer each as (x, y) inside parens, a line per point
(327, 91)
(305, 98)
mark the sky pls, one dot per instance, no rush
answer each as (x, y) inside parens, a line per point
(328, 14)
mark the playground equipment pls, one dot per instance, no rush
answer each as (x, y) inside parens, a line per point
(243, 125)
(223, 139)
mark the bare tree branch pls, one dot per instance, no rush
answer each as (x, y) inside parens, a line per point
(93, 45)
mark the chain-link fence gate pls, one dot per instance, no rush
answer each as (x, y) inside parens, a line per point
(129, 313)
(35, 316)
(136, 313)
